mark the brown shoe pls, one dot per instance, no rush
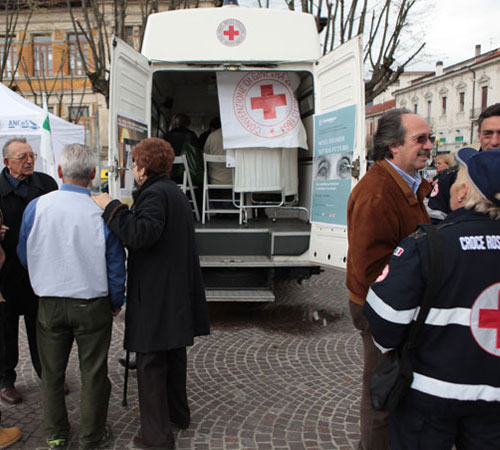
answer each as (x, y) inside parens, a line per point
(8, 436)
(10, 395)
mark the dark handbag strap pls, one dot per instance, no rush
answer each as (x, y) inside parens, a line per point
(435, 266)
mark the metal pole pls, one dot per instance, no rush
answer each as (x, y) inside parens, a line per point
(98, 144)
(125, 382)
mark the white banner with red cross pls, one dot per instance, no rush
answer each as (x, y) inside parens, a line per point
(259, 109)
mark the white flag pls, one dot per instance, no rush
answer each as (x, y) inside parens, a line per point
(259, 109)
(46, 149)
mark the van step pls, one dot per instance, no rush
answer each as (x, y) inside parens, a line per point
(242, 295)
(249, 261)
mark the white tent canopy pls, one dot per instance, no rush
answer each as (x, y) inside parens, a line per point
(20, 117)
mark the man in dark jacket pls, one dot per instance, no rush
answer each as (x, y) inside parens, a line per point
(384, 207)
(19, 184)
(489, 138)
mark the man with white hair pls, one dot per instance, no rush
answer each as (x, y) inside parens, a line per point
(76, 266)
(19, 184)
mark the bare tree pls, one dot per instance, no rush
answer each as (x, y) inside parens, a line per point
(382, 21)
(147, 7)
(92, 40)
(93, 30)
(10, 56)
(40, 85)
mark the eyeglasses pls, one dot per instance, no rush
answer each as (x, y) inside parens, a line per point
(423, 138)
(24, 156)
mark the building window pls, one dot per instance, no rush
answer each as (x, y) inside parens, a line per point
(7, 44)
(129, 35)
(75, 113)
(484, 98)
(42, 55)
(461, 101)
(415, 108)
(429, 108)
(81, 116)
(76, 66)
(443, 106)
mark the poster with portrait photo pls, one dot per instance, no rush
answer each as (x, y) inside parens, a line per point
(332, 160)
(130, 133)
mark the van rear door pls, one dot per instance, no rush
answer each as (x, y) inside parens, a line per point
(129, 113)
(338, 149)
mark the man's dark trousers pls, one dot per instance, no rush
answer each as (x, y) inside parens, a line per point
(60, 321)
(373, 424)
(426, 422)
(9, 332)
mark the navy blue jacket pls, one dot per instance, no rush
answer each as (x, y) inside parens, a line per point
(439, 198)
(458, 353)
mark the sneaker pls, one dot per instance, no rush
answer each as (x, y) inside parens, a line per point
(104, 442)
(106, 438)
(57, 442)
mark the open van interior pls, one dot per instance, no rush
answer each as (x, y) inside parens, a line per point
(268, 231)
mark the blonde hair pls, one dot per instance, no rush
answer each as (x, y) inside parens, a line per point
(448, 158)
(474, 199)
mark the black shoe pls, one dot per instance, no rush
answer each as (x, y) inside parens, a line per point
(132, 365)
(139, 442)
(182, 425)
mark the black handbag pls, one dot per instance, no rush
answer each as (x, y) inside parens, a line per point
(392, 379)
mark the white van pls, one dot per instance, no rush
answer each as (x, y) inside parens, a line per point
(176, 71)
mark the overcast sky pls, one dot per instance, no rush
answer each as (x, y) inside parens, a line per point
(452, 29)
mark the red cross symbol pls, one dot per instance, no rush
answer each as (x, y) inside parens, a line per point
(268, 102)
(490, 318)
(231, 32)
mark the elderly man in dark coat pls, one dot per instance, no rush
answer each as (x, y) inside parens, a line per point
(166, 298)
(19, 184)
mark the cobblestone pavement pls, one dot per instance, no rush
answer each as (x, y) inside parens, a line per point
(277, 376)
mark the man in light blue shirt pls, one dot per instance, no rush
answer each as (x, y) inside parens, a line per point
(77, 268)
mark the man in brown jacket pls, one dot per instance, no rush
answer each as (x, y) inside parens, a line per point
(384, 207)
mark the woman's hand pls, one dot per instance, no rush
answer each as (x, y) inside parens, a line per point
(3, 230)
(102, 200)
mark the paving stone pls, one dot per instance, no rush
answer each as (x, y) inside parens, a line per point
(266, 378)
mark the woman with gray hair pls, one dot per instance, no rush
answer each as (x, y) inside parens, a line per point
(454, 397)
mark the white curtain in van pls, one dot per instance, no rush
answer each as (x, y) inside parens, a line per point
(259, 109)
(266, 170)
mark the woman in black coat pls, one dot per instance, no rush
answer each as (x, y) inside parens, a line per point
(166, 304)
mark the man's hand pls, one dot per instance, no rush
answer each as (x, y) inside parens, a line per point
(116, 312)
(3, 230)
(102, 200)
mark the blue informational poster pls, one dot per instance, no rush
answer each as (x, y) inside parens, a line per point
(333, 155)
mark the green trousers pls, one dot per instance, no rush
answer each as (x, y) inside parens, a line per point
(89, 322)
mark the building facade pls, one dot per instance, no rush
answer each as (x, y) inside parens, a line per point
(45, 58)
(452, 98)
(386, 101)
